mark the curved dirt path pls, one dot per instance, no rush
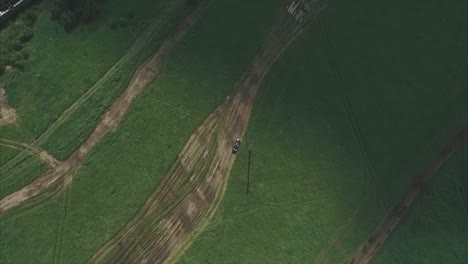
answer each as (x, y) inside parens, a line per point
(38, 152)
(191, 191)
(61, 175)
(370, 248)
(136, 47)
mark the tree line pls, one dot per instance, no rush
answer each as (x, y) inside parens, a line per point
(71, 13)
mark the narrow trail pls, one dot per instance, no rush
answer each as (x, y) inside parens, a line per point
(189, 194)
(32, 149)
(61, 175)
(371, 247)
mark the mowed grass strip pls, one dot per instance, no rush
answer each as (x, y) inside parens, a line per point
(353, 112)
(121, 172)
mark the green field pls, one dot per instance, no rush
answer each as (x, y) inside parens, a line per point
(344, 120)
(64, 65)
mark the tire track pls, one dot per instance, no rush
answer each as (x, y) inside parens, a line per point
(29, 148)
(357, 133)
(61, 228)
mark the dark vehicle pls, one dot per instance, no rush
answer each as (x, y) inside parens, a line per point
(236, 146)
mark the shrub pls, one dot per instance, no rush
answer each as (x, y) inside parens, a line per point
(13, 40)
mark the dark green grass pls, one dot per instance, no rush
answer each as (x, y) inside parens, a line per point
(391, 82)
(6, 153)
(435, 231)
(121, 172)
(24, 245)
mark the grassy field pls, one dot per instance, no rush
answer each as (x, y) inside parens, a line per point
(121, 172)
(435, 231)
(302, 168)
(62, 66)
(71, 133)
(345, 120)
(6, 154)
(38, 108)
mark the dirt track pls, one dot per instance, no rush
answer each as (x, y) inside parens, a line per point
(370, 248)
(61, 174)
(38, 152)
(191, 190)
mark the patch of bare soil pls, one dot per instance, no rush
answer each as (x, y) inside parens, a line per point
(370, 248)
(173, 214)
(7, 113)
(61, 174)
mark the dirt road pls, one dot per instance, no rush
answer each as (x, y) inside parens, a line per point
(145, 74)
(189, 194)
(370, 248)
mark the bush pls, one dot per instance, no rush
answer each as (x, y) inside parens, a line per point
(13, 40)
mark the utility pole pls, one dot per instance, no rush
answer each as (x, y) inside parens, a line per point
(248, 171)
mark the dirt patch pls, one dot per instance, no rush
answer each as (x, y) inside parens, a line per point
(7, 113)
(370, 248)
(190, 191)
(61, 174)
